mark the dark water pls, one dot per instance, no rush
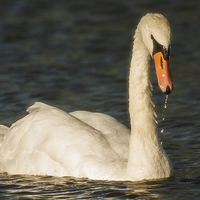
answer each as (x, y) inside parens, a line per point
(75, 55)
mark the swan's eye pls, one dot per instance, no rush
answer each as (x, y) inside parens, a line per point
(165, 53)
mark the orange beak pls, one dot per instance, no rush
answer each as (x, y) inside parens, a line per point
(163, 73)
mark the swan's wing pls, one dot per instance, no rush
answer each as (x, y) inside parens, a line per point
(3, 131)
(116, 133)
(51, 141)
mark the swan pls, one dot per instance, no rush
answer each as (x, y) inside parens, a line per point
(49, 141)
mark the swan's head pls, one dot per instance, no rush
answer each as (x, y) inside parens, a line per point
(155, 33)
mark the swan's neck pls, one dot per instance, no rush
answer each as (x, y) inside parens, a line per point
(140, 104)
(145, 150)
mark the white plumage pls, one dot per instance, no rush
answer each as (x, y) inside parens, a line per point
(49, 141)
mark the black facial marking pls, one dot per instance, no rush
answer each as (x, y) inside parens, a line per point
(160, 48)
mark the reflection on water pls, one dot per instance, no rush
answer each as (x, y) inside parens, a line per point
(68, 187)
(37, 187)
(75, 55)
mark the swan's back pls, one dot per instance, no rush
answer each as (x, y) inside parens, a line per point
(51, 141)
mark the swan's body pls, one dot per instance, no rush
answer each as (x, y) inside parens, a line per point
(49, 141)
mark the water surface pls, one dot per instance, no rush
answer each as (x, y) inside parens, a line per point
(75, 55)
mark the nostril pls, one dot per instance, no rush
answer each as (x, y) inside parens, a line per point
(168, 90)
(161, 62)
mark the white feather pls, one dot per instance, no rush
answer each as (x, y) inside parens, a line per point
(49, 141)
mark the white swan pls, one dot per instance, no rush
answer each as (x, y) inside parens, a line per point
(49, 141)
